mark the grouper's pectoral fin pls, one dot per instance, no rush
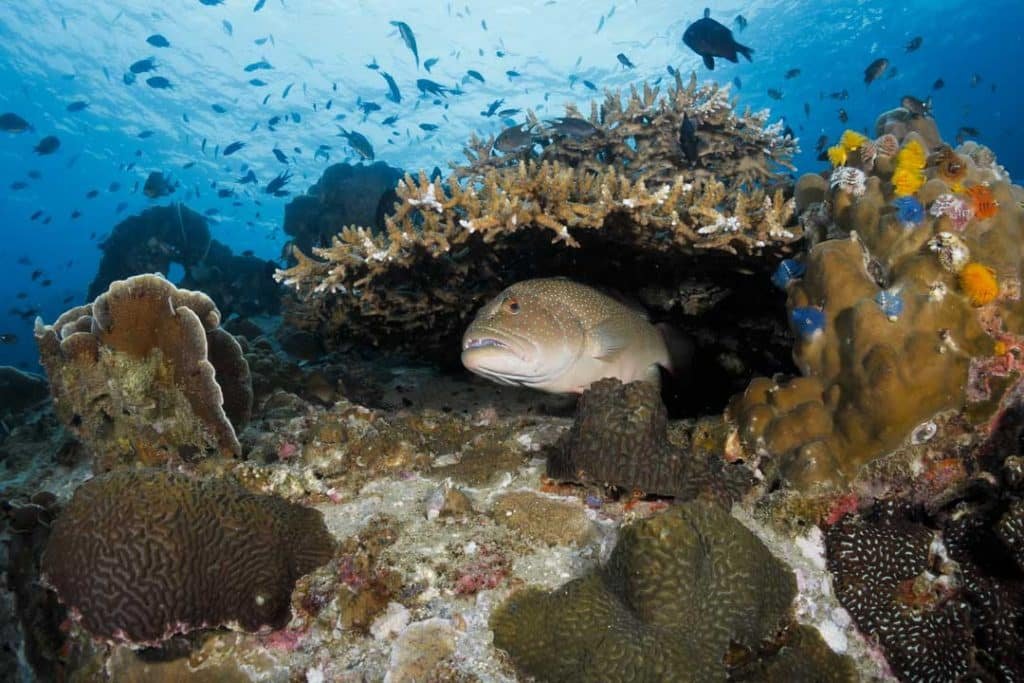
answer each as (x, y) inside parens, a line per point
(709, 62)
(609, 338)
(653, 375)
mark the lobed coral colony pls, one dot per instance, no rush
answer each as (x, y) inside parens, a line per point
(865, 499)
(144, 373)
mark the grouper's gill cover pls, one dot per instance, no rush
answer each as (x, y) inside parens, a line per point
(560, 336)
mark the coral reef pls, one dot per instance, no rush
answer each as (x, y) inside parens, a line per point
(904, 300)
(677, 591)
(141, 555)
(145, 374)
(154, 239)
(620, 438)
(239, 284)
(149, 243)
(940, 603)
(344, 195)
(623, 200)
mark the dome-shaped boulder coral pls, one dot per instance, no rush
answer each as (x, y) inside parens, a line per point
(139, 555)
(145, 374)
(679, 590)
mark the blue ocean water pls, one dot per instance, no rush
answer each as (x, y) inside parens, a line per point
(311, 63)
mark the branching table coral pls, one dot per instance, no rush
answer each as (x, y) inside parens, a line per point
(627, 191)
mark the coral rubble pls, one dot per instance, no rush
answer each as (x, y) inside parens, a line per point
(141, 555)
(625, 195)
(145, 374)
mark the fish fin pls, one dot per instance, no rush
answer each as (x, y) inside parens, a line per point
(707, 12)
(609, 337)
(709, 62)
(745, 51)
(679, 349)
(653, 375)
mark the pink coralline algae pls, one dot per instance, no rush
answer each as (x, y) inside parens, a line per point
(955, 209)
(486, 571)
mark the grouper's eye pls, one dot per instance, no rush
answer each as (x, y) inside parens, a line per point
(512, 306)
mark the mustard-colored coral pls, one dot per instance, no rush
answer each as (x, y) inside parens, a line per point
(851, 140)
(837, 155)
(912, 156)
(907, 181)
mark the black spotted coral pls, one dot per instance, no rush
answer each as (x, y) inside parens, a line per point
(141, 555)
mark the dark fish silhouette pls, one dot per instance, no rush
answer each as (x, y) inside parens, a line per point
(514, 139)
(624, 60)
(475, 74)
(427, 86)
(158, 185)
(875, 69)
(939, 84)
(280, 155)
(275, 185)
(571, 127)
(143, 65)
(843, 116)
(158, 82)
(157, 40)
(12, 123)
(409, 38)
(259, 5)
(916, 107)
(393, 92)
(710, 39)
(792, 73)
(688, 140)
(492, 108)
(77, 105)
(260, 65)
(775, 94)
(429, 63)
(740, 21)
(47, 145)
(359, 143)
(218, 108)
(232, 148)
(914, 43)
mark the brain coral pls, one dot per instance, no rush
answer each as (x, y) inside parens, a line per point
(676, 591)
(140, 555)
(145, 373)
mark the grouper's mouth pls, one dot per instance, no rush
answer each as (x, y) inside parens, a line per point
(484, 342)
